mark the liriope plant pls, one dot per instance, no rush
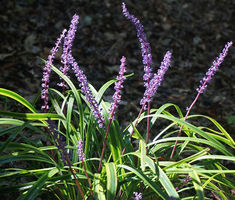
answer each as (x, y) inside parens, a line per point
(74, 147)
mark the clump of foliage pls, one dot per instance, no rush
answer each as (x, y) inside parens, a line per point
(75, 148)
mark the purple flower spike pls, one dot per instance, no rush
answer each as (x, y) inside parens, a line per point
(212, 70)
(67, 48)
(118, 87)
(184, 182)
(145, 46)
(156, 80)
(81, 155)
(137, 196)
(47, 71)
(57, 138)
(87, 92)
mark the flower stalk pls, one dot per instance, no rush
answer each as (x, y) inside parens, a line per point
(145, 46)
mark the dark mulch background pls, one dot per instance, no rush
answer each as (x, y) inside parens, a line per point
(195, 32)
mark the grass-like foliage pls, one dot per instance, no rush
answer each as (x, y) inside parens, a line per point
(74, 148)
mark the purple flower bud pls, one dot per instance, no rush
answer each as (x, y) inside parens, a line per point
(212, 70)
(81, 155)
(67, 48)
(145, 46)
(118, 86)
(86, 91)
(47, 71)
(137, 196)
(156, 80)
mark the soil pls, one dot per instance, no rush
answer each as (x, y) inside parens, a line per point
(194, 31)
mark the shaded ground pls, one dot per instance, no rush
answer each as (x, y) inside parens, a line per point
(195, 32)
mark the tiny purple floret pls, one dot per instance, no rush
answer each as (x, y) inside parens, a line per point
(137, 196)
(81, 155)
(156, 80)
(212, 70)
(145, 46)
(47, 72)
(67, 48)
(118, 86)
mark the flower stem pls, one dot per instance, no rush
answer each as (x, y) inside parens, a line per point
(148, 125)
(185, 118)
(89, 182)
(104, 145)
(75, 179)
(136, 122)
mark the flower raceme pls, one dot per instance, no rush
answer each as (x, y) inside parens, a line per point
(138, 196)
(47, 72)
(118, 86)
(87, 92)
(57, 138)
(81, 155)
(145, 46)
(55, 134)
(156, 80)
(184, 182)
(212, 70)
(67, 48)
